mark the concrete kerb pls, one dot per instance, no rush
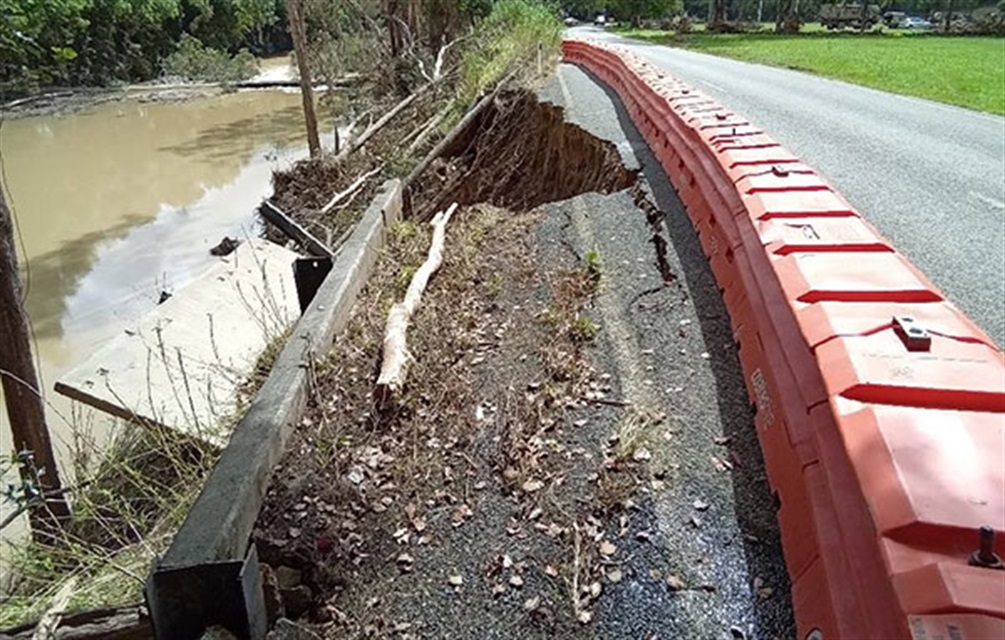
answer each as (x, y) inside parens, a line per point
(209, 576)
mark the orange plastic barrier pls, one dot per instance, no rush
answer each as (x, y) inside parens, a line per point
(880, 407)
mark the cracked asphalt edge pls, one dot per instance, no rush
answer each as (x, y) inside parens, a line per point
(669, 347)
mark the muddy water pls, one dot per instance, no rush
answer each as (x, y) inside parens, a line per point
(119, 203)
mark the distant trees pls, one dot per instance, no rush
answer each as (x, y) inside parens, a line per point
(100, 41)
(635, 10)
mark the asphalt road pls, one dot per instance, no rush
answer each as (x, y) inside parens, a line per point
(930, 176)
(669, 348)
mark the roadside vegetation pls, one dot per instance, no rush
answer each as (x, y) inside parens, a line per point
(956, 55)
(967, 72)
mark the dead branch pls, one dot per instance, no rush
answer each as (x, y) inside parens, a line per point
(427, 130)
(122, 623)
(350, 130)
(377, 126)
(466, 121)
(47, 625)
(396, 356)
(440, 56)
(350, 189)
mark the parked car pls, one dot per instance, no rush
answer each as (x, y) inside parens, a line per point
(894, 19)
(841, 15)
(570, 21)
(914, 22)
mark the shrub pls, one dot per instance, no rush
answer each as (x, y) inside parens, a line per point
(988, 21)
(194, 61)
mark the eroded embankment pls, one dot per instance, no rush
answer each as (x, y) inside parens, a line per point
(520, 153)
(557, 466)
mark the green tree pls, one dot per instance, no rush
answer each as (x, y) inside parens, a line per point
(638, 10)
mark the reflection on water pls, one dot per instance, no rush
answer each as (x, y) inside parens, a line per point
(123, 201)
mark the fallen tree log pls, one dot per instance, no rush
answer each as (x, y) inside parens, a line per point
(395, 358)
(120, 623)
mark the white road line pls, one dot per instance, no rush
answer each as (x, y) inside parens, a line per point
(988, 200)
(566, 95)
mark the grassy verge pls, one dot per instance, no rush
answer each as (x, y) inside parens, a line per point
(967, 72)
(510, 38)
(126, 509)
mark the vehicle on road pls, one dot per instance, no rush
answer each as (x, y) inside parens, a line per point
(894, 19)
(855, 15)
(914, 22)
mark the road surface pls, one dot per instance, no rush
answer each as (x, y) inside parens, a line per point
(930, 176)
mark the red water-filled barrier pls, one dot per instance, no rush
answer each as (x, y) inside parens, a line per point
(880, 406)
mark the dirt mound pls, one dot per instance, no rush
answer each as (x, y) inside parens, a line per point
(520, 153)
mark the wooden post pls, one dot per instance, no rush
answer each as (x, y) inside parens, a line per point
(20, 389)
(306, 90)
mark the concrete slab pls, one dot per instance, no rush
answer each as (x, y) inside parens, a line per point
(181, 364)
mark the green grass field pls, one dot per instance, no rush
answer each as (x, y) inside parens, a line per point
(969, 72)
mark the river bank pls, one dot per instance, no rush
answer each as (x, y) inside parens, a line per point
(115, 204)
(273, 73)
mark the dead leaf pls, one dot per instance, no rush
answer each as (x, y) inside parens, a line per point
(507, 561)
(405, 562)
(516, 581)
(461, 514)
(595, 589)
(607, 548)
(532, 603)
(615, 575)
(585, 617)
(696, 521)
(499, 589)
(551, 570)
(700, 505)
(455, 580)
(532, 485)
(642, 455)
(676, 583)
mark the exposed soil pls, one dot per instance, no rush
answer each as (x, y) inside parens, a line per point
(518, 154)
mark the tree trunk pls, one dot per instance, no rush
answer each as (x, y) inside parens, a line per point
(20, 389)
(719, 14)
(306, 90)
(948, 19)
